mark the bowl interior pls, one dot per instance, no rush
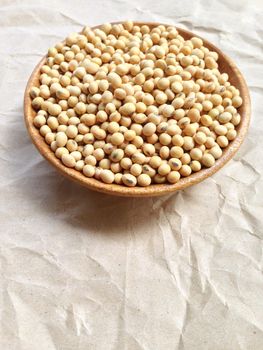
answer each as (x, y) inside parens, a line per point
(226, 65)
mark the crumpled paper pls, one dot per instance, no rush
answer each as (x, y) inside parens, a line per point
(82, 270)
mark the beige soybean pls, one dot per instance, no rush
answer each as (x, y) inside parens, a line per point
(39, 121)
(72, 131)
(129, 180)
(222, 141)
(208, 160)
(107, 176)
(185, 170)
(136, 169)
(196, 154)
(117, 138)
(61, 139)
(147, 169)
(144, 180)
(164, 151)
(72, 145)
(68, 160)
(88, 170)
(173, 177)
(164, 169)
(117, 155)
(195, 165)
(216, 152)
(175, 163)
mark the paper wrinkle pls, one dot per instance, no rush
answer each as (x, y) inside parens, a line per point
(82, 270)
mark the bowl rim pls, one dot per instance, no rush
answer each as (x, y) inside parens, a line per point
(154, 189)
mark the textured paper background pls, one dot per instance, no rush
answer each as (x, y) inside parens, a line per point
(81, 270)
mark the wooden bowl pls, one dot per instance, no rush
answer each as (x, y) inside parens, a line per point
(225, 65)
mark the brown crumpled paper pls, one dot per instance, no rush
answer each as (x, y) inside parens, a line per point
(81, 270)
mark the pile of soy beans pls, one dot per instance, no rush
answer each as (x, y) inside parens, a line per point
(135, 105)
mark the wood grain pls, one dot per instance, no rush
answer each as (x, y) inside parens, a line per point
(225, 65)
